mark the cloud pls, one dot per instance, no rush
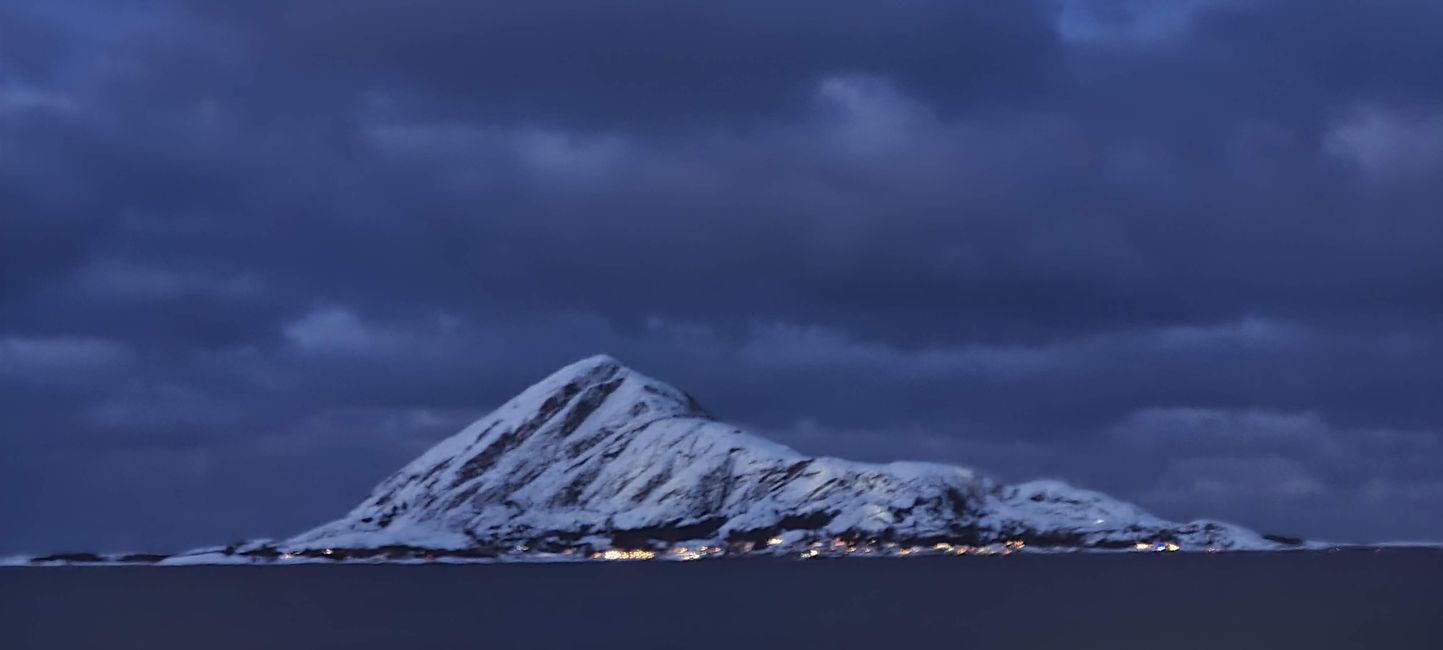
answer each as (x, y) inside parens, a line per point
(1291, 468)
(1148, 249)
(28, 358)
(1221, 480)
(1388, 146)
(1131, 22)
(1220, 429)
(28, 47)
(335, 330)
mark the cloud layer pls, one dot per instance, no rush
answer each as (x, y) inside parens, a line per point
(256, 255)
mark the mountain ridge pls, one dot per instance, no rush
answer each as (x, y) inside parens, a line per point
(598, 458)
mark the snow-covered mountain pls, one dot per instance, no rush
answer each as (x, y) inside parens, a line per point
(599, 458)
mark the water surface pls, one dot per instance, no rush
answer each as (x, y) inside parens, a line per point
(1390, 600)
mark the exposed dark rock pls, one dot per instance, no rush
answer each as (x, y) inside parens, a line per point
(1284, 540)
(86, 558)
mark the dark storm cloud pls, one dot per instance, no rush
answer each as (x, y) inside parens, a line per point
(256, 254)
(639, 63)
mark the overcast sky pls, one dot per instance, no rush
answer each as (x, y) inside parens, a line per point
(257, 255)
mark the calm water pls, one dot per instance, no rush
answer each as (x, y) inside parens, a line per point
(1387, 600)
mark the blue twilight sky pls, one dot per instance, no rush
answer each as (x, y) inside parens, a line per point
(255, 255)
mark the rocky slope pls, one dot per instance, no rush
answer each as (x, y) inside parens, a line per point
(599, 460)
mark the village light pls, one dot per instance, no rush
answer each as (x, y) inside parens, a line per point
(638, 554)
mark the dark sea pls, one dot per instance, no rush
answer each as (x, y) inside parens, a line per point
(1386, 600)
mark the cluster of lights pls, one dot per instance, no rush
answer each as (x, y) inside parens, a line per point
(950, 549)
(833, 548)
(292, 556)
(689, 553)
(841, 547)
(1161, 547)
(962, 549)
(633, 554)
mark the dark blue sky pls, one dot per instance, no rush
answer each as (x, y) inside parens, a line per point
(257, 255)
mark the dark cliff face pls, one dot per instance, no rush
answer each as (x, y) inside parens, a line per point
(598, 456)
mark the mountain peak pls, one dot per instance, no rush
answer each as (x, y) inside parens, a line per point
(591, 364)
(591, 370)
(599, 456)
(598, 378)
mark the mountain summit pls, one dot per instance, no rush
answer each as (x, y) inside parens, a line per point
(598, 459)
